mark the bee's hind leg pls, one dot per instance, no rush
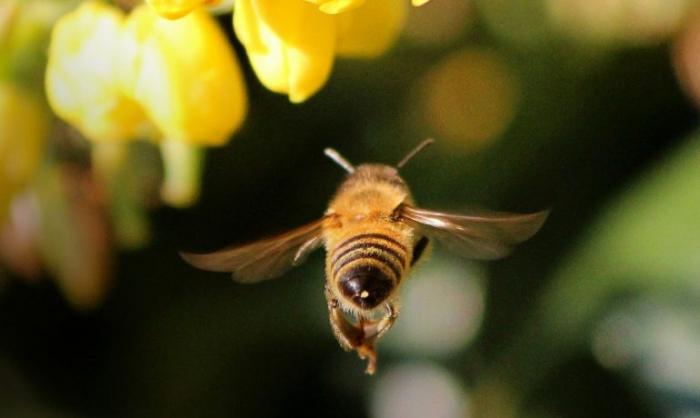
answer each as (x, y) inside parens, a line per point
(360, 336)
(391, 312)
(372, 331)
(349, 335)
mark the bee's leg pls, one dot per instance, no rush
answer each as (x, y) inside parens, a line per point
(367, 352)
(384, 324)
(348, 335)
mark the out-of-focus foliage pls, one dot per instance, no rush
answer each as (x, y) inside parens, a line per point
(645, 243)
(74, 237)
(23, 126)
(588, 108)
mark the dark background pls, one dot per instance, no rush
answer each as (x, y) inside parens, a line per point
(172, 341)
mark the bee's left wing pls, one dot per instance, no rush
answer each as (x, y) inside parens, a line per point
(264, 259)
(487, 235)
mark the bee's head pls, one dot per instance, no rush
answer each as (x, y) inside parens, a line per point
(365, 286)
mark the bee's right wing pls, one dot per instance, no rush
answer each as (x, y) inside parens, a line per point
(264, 259)
(485, 235)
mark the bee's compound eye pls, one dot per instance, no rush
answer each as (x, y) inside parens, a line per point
(366, 286)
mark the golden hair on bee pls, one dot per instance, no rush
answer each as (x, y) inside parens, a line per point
(373, 234)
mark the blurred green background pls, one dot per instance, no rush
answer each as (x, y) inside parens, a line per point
(583, 108)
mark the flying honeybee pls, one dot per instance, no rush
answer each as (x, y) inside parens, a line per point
(373, 234)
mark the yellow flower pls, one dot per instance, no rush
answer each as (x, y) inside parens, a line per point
(175, 9)
(174, 81)
(184, 74)
(186, 77)
(23, 126)
(292, 45)
(81, 85)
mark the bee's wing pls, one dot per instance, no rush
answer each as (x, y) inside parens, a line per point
(487, 235)
(264, 259)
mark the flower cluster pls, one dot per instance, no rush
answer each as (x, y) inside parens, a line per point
(166, 72)
(118, 77)
(292, 45)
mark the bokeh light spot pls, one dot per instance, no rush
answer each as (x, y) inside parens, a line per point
(521, 23)
(636, 22)
(418, 391)
(442, 309)
(614, 341)
(469, 98)
(656, 340)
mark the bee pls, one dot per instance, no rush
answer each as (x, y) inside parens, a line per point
(374, 234)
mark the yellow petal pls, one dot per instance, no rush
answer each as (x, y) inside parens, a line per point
(370, 30)
(80, 75)
(173, 9)
(419, 2)
(185, 75)
(291, 46)
(336, 6)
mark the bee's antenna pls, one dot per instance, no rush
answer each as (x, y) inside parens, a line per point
(415, 151)
(335, 156)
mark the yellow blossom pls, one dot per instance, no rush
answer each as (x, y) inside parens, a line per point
(80, 79)
(292, 46)
(119, 77)
(23, 126)
(175, 9)
(185, 76)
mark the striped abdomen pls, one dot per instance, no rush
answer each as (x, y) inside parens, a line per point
(367, 267)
